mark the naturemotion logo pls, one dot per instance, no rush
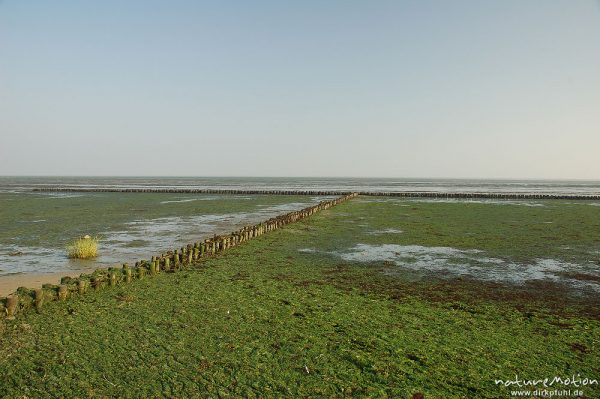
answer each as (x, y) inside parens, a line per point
(560, 386)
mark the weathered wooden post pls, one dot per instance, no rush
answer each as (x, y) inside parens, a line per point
(81, 286)
(12, 302)
(113, 279)
(39, 299)
(62, 292)
(176, 259)
(167, 264)
(127, 272)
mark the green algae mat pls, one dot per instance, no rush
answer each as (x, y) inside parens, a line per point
(378, 298)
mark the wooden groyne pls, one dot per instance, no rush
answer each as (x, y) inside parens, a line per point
(171, 261)
(403, 194)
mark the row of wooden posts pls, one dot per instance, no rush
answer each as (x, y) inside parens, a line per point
(170, 261)
(404, 194)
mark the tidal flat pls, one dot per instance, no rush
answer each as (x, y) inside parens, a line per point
(380, 298)
(35, 228)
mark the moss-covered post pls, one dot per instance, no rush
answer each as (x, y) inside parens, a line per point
(113, 279)
(12, 302)
(39, 299)
(128, 275)
(81, 286)
(62, 292)
(176, 259)
(167, 264)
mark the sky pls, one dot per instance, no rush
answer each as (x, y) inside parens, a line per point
(461, 89)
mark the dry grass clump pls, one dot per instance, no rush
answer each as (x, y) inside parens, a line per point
(83, 248)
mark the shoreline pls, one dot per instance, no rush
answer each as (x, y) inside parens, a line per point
(10, 283)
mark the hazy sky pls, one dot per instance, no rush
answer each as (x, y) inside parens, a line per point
(306, 88)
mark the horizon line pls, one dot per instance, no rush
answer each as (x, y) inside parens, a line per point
(307, 177)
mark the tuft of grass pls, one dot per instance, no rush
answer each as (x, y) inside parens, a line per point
(83, 248)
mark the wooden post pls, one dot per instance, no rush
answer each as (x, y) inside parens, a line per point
(12, 302)
(167, 264)
(81, 286)
(39, 299)
(62, 292)
(113, 279)
(176, 259)
(128, 275)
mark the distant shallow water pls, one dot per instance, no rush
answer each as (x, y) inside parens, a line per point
(578, 187)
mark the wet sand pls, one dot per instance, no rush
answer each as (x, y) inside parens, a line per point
(9, 284)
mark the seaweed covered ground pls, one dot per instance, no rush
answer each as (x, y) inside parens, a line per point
(382, 298)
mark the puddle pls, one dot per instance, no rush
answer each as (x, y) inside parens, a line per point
(308, 250)
(386, 231)
(181, 200)
(446, 262)
(480, 201)
(61, 195)
(207, 198)
(402, 201)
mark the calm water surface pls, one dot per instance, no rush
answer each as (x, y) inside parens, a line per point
(21, 184)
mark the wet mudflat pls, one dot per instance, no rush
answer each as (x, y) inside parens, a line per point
(372, 298)
(35, 228)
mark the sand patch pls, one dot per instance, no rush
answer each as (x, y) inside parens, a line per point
(10, 283)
